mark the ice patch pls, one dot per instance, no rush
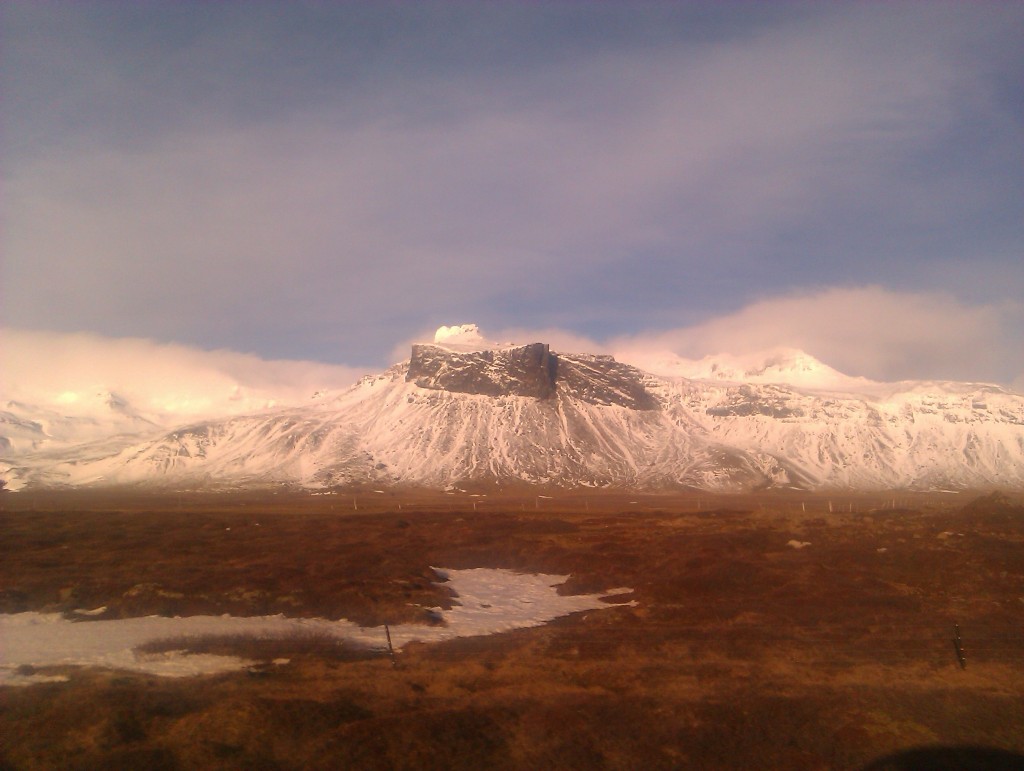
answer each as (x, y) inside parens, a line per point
(488, 601)
(94, 612)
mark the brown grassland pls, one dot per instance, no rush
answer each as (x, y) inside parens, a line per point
(741, 652)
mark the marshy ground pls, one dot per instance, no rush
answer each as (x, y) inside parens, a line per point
(772, 631)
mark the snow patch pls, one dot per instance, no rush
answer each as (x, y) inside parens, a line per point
(94, 612)
(485, 601)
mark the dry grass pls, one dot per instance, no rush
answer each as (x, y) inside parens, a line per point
(268, 647)
(742, 652)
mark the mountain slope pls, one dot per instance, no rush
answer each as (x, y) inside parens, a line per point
(27, 427)
(456, 413)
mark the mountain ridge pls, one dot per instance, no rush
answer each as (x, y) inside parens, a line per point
(461, 410)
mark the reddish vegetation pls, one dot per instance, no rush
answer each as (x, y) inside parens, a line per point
(743, 651)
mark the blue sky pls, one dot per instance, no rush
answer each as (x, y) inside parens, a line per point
(328, 181)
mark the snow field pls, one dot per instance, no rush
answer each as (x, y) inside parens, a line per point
(485, 601)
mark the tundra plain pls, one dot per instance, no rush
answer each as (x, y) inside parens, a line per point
(777, 630)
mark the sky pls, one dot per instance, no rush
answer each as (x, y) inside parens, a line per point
(323, 183)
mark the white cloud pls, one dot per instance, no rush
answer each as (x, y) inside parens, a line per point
(75, 372)
(869, 331)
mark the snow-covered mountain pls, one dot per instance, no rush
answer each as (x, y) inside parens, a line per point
(27, 427)
(463, 410)
(783, 365)
(52, 427)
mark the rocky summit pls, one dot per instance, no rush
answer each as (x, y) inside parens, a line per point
(528, 370)
(532, 371)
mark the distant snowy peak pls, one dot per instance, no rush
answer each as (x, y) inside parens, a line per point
(781, 366)
(26, 427)
(96, 403)
(69, 418)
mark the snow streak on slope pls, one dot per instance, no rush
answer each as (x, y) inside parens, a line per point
(525, 414)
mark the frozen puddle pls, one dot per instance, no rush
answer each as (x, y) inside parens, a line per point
(486, 601)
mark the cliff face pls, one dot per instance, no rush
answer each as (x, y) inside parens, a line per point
(531, 371)
(603, 381)
(528, 370)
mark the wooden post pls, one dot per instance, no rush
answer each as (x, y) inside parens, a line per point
(959, 647)
(391, 648)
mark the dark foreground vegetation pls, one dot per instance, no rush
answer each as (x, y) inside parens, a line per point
(769, 631)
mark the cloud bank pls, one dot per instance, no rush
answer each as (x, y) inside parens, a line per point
(868, 331)
(75, 374)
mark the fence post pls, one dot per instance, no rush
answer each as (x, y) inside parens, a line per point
(391, 649)
(959, 647)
